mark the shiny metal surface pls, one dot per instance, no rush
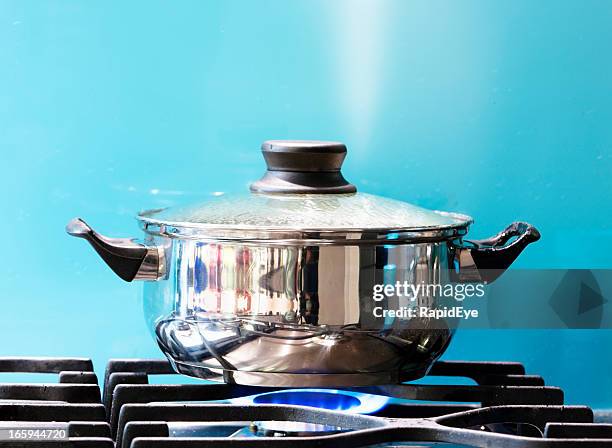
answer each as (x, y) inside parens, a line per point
(301, 311)
(293, 237)
(270, 315)
(153, 265)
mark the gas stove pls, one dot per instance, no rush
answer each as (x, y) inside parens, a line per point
(479, 404)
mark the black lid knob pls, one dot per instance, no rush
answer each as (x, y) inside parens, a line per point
(303, 166)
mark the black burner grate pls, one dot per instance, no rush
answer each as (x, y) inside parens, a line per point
(66, 413)
(505, 407)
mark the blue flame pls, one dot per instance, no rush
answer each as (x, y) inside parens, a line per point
(332, 399)
(317, 399)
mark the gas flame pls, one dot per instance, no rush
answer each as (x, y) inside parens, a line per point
(332, 399)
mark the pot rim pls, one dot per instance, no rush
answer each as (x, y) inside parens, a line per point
(295, 235)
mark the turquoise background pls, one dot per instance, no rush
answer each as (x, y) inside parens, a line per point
(501, 110)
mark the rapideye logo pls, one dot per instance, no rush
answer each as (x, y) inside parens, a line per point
(419, 300)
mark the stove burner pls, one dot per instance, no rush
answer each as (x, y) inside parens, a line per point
(505, 407)
(292, 429)
(331, 399)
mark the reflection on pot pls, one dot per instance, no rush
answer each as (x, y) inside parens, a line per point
(251, 310)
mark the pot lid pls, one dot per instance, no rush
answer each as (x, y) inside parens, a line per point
(303, 191)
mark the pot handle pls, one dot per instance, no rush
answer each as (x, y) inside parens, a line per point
(485, 260)
(127, 258)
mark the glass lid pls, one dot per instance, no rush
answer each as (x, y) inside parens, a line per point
(350, 211)
(303, 191)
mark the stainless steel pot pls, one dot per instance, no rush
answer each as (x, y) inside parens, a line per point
(276, 287)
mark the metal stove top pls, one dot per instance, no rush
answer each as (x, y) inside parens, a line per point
(503, 406)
